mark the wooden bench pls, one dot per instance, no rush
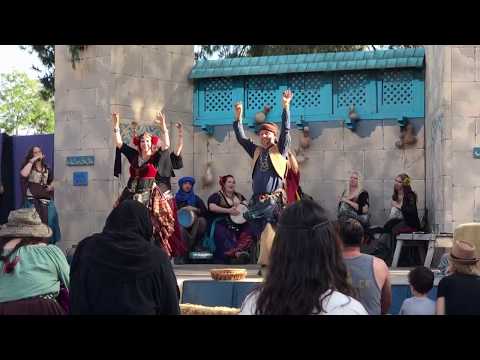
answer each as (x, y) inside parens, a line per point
(403, 239)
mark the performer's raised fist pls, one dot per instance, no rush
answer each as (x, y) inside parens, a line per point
(115, 119)
(287, 97)
(160, 119)
(238, 110)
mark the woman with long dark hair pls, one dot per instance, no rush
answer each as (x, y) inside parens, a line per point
(37, 189)
(307, 274)
(403, 218)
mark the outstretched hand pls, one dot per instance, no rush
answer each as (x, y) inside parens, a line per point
(287, 98)
(115, 120)
(179, 127)
(234, 211)
(238, 111)
(160, 119)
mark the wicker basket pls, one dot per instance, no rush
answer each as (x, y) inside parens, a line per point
(192, 309)
(228, 274)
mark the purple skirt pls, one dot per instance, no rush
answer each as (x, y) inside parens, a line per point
(33, 306)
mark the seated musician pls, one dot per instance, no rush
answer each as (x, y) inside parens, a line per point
(187, 200)
(233, 238)
(269, 167)
(403, 219)
(354, 202)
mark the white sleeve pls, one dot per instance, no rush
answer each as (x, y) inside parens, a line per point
(353, 307)
(401, 309)
(249, 305)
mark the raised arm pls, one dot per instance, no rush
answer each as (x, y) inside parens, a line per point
(245, 142)
(161, 121)
(179, 147)
(284, 139)
(25, 172)
(117, 137)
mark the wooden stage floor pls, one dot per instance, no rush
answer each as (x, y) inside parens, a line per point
(202, 272)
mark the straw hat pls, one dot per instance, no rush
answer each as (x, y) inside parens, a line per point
(463, 253)
(25, 223)
(469, 232)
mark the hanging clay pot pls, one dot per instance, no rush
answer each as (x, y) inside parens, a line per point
(407, 136)
(260, 117)
(300, 156)
(305, 138)
(207, 178)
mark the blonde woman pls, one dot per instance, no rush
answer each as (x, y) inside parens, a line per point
(354, 201)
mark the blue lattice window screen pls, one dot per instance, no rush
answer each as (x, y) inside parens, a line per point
(297, 85)
(397, 88)
(306, 88)
(351, 89)
(218, 94)
(313, 83)
(261, 91)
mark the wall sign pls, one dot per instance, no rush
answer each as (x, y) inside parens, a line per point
(81, 160)
(80, 178)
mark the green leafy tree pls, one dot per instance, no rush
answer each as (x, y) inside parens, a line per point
(22, 105)
(229, 51)
(46, 54)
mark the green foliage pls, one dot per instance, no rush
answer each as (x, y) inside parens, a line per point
(229, 51)
(46, 54)
(22, 105)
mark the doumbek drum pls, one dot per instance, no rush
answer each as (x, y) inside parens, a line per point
(186, 217)
(239, 219)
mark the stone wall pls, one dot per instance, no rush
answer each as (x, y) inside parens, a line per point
(452, 131)
(334, 152)
(137, 81)
(134, 80)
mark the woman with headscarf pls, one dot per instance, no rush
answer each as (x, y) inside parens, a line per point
(187, 200)
(403, 218)
(37, 189)
(145, 161)
(119, 271)
(32, 273)
(232, 241)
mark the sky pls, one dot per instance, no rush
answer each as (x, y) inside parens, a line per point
(14, 58)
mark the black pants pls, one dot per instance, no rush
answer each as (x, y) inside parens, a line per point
(384, 246)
